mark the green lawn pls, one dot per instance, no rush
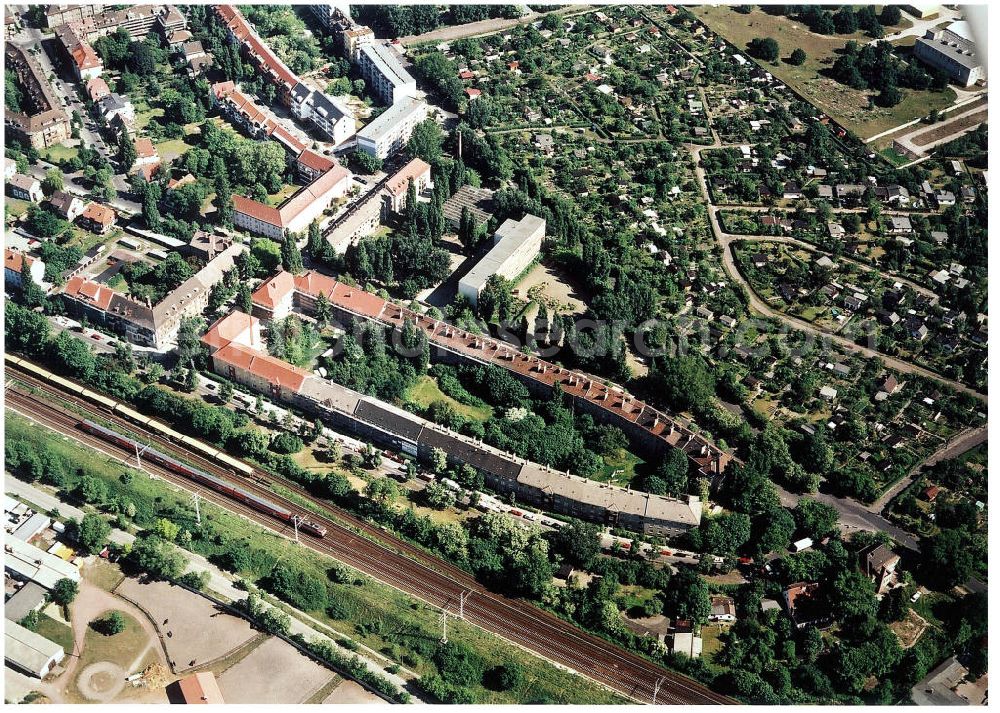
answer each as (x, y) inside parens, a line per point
(58, 153)
(284, 194)
(173, 149)
(619, 468)
(56, 631)
(121, 648)
(426, 391)
(142, 117)
(16, 208)
(847, 106)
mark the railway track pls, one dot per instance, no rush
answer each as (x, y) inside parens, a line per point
(406, 567)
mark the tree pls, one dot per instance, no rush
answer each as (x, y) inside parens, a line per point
(166, 529)
(151, 211)
(223, 192)
(157, 557)
(890, 96)
(90, 533)
(815, 519)
(425, 141)
(891, 15)
(286, 443)
(64, 591)
(44, 223)
(765, 48)
(439, 460)
(948, 557)
(772, 530)
(579, 542)
(438, 495)
(671, 476)
(365, 163)
(852, 597)
(52, 182)
(244, 298)
(686, 597)
(127, 153)
(798, 57)
(113, 623)
(316, 245)
(291, 256)
(382, 491)
(845, 21)
(726, 533)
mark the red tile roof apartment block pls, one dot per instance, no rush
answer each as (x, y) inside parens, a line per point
(325, 113)
(82, 58)
(295, 214)
(141, 323)
(655, 429)
(258, 370)
(49, 124)
(263, 58)
(236, 327)
(257, 121)
(380, 422)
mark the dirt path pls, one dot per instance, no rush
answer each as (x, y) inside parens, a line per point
(90, 603)
(758, 305)
(487, 27)
(956, 446)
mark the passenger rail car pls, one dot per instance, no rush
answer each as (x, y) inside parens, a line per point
(210, 481)
(131, 414)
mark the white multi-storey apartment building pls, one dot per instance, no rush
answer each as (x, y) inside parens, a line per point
(390, 131)
(384, 73)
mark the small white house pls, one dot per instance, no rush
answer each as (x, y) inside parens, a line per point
(804, 544)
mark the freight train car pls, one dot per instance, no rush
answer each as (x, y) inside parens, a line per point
(210, 481)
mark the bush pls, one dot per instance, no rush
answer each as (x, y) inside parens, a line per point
(286, 443)
(764, 48)
(458, 664)
(113, 623)
(30, 621)
(505, 677)
(300, 589)
(798, 57)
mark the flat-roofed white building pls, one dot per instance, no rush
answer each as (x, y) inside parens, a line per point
(29, 563)
(30, 652)
(515, 244)
(390, 131)
(384, 73)
(953, 51)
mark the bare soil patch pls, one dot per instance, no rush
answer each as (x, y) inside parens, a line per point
(952, 127)
(274, 672)
(190, 626)
(352, 692)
